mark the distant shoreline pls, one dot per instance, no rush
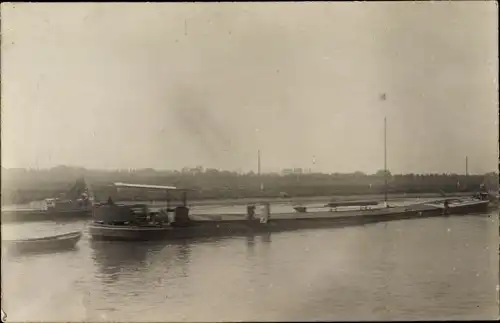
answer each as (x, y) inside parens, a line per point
(211, 187)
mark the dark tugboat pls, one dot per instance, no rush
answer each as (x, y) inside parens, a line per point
(72, 205)
(112, 221)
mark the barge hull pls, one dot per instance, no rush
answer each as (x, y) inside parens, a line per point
(204, 226)
(128, 233)
(243, 227)
(472, 208)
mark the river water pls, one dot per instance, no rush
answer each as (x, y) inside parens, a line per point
(439, 268)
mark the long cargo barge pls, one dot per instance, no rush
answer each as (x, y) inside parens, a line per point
(199, 227)
(138, 223)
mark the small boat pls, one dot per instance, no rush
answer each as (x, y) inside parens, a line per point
(361, 204)
(56, 242)
(342, 206)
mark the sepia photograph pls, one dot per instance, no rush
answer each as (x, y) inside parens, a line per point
(249, 161)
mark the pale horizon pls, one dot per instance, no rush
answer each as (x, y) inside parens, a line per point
(166, 86)
(188, 169)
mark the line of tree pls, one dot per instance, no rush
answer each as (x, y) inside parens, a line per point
(25, 185)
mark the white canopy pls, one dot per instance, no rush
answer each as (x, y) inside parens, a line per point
(156, 187)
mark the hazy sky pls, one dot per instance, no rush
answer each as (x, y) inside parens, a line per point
(159, 85)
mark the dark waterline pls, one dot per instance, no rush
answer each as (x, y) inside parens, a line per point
(440, 268)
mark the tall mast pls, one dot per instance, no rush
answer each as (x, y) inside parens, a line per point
(385, 160)
(258, 170)
(258, 162)
(466, 166)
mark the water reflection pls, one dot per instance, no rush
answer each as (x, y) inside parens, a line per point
(116, 259)
(266, 237)
(16, 253)
(182, 252)
(250, 241)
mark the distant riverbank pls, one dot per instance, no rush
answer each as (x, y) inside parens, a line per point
(212, 186)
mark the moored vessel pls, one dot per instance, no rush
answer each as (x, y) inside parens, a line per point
(126, 222)
(136, 222)
(73, 205)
